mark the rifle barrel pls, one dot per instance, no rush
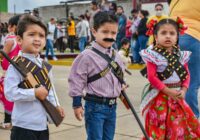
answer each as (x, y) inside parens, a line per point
(8, 58)
(135, 115)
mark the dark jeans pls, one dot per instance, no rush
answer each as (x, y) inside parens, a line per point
(60, 44)
(140, 44)
(71, 43)
(100, 121)
(18, 133)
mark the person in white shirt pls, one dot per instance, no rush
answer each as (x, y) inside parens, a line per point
(50, 39)
(82, 29)
(29, 118)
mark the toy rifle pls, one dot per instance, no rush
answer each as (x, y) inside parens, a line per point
(49, 107)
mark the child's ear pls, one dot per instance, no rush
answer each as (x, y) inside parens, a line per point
(19, 40)
(93, 32)
(155, 37)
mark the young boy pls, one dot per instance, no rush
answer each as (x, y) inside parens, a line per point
(124, 51)
(101, 92)
(29, 118)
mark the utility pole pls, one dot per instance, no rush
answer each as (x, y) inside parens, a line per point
(14, 9)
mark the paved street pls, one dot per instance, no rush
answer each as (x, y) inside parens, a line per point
(71, 129)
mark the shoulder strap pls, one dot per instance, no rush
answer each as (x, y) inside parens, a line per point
(116, 69)
(173, 65)
(103, 72)
(40, 74)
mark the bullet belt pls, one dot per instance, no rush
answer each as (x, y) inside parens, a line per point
(100, 100)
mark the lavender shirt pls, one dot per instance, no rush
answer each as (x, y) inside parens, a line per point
(87, 64)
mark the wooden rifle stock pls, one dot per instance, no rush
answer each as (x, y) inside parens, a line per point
(49, 107)
(124, 101)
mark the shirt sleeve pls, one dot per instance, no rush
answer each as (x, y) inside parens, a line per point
(78, 79)
(152, 76)
(12, 92)
(186, 82)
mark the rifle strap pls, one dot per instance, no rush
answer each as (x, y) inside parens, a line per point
(116, 69)
(40, 74)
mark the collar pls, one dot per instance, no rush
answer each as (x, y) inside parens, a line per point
(102, 49)
(28, 55)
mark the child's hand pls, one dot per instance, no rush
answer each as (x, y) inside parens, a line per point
(41, 93)
(124, 87)
(61, 111)
(181, 94)
(174, 94)
(78, 112)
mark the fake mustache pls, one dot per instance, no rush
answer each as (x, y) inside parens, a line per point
(109, 39)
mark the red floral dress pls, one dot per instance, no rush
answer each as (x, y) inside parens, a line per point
(166, 118)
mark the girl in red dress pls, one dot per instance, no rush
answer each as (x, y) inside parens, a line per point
(11, 47)
(167, 115)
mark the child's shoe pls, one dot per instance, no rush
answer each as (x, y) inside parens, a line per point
(55, 59)
(46, 59)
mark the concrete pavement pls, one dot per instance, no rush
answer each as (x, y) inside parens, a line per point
(71, 129)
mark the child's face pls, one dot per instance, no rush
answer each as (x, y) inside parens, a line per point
(12, 28)
(166, 36)
(107, 30)
(33, 40)
(126, 46)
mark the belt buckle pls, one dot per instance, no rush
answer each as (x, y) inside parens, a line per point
(112, 102)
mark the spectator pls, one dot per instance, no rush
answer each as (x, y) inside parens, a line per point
(71, 33)
(104, 6)
(122, 25)
(82, 28)
(59, 35)
(51, 26)
(133, 29)
(189, 12)
(159, 16)
(94, 9)
(124, 51)
(112, 8)
(141, 33)
(87, 15)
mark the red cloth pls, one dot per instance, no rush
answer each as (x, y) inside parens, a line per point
(157, 83)
(128, 32)
(167, 119)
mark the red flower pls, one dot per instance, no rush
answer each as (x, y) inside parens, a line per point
(151, 26)
(182, 28)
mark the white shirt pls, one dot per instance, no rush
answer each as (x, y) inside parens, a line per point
(28, 112)
(51, 29)
(82, 29)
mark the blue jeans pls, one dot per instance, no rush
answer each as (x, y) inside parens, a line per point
(82, 43)
(100, 121)
(49, 46)
(189, 43)
(141, 44)
(133, 42)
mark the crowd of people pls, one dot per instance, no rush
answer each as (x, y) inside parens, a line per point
(171, 58)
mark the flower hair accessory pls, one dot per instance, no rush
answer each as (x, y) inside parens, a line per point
(151, 26)
(181, 27)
